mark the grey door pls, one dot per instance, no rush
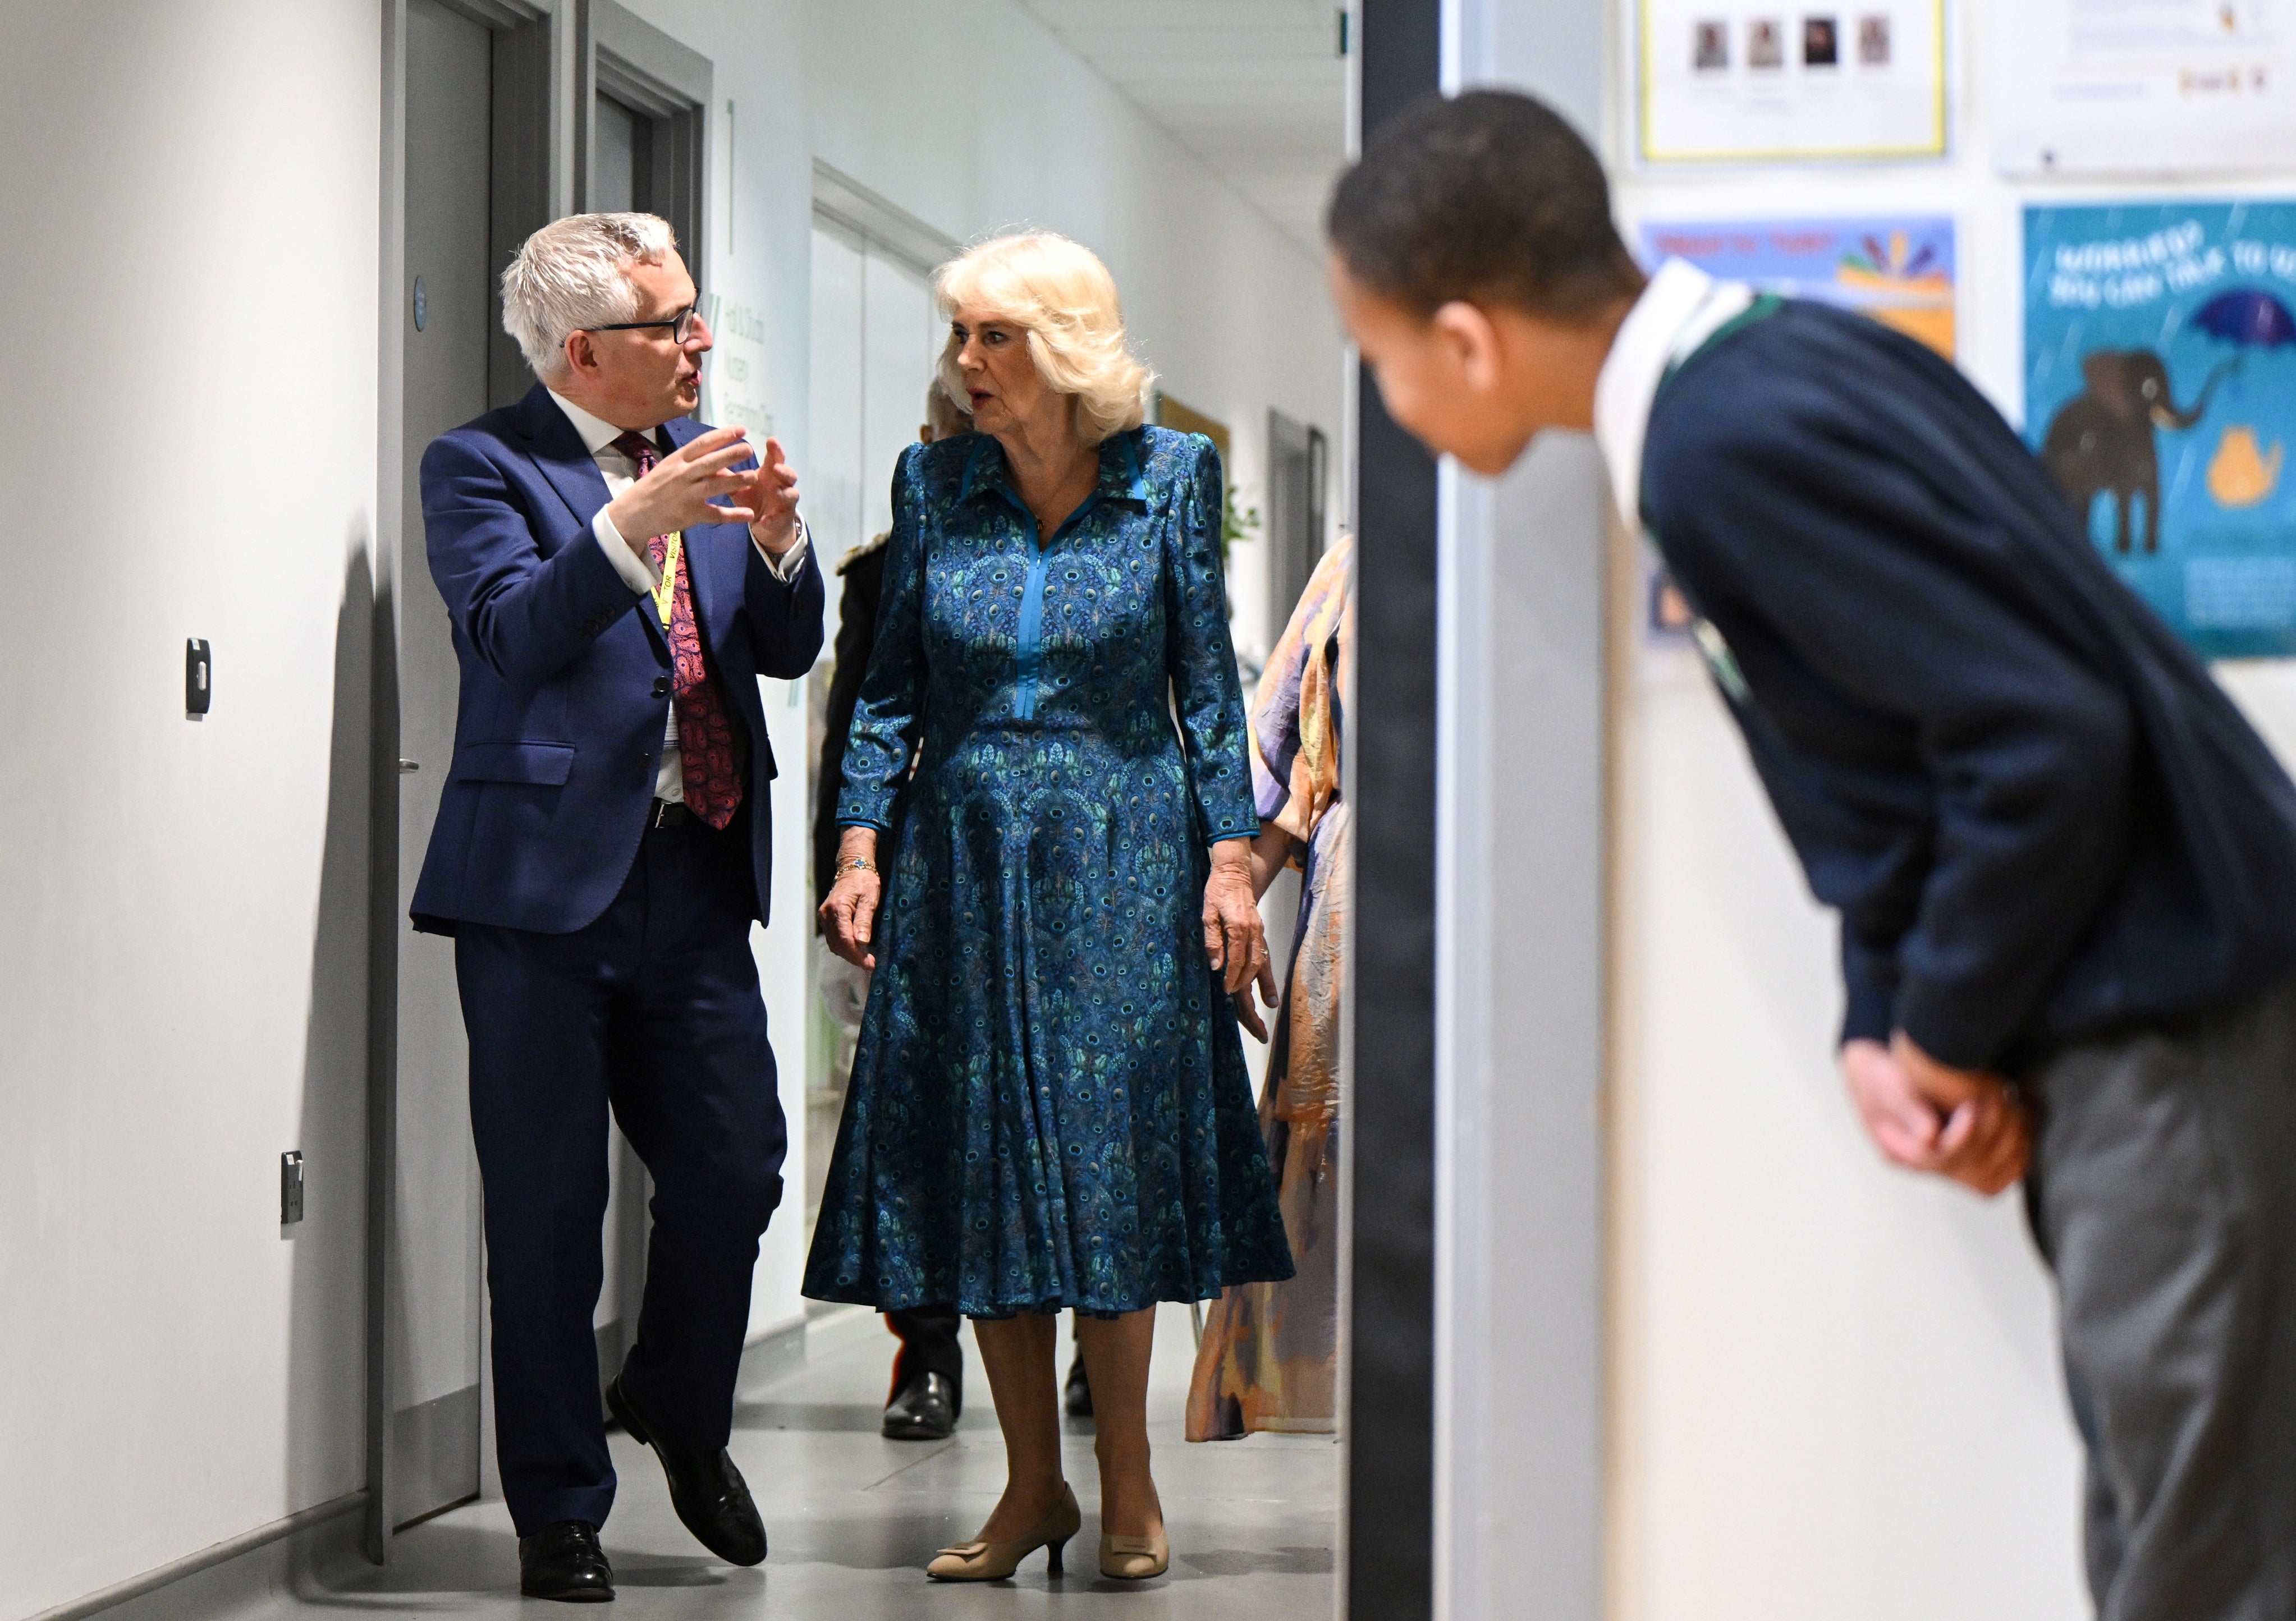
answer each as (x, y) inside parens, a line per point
(1295, 514)
(447, 314)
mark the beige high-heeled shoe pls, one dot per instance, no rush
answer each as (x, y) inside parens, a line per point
(1134, 1559)
(988, 1561)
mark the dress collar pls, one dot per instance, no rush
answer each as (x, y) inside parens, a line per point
(1680, 308)
(1120, 473)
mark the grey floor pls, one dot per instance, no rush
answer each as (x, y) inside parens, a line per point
(853, 1517)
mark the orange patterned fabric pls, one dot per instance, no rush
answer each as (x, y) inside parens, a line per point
(1269, 1357)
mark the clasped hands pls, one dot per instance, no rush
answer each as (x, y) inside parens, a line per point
(1965, 1125)
(1235, 938)
(699, 483)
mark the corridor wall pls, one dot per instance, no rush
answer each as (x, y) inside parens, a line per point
(1835, 1390)
(192, 397)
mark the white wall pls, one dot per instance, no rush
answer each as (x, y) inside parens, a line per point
(1836, 1390)
(192, 400)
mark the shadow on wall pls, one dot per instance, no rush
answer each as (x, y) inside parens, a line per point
(326, 1326)
(325, 1349)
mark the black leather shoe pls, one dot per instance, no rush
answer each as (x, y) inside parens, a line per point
(564, 1562)
(923, 1410)
(1078, 1396)
(706, 1489)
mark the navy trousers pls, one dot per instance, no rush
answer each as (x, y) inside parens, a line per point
(929, 1344)
(653, 1012)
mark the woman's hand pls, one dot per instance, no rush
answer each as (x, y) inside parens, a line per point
(1234, 939)
(1247, 1012)
(850, 912)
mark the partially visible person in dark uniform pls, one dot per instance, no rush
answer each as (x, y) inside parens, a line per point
(928, 1391)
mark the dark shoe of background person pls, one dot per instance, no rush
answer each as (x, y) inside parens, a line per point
(923, 1410)
(564, 1562)
(1080, 1390)
(708, 1492)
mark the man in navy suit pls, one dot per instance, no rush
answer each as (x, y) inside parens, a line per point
(619, 577)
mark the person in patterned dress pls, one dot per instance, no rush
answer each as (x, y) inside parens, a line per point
(1049, 1107)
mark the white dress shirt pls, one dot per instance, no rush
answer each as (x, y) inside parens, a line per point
(636, 567)
(1680, 309)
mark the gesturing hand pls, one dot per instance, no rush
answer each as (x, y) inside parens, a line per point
(1234, 936)
(849, 913)
(1961, 1124)
(680, 490)
(772, 500)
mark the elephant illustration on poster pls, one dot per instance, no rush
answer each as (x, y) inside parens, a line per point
(2101, 439)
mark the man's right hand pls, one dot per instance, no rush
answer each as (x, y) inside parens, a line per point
(678, 493)
(1962, 1124)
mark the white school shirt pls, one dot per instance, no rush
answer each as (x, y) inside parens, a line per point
(637, 569)
(1680, 308)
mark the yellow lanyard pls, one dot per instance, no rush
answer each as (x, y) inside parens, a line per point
(666, 593)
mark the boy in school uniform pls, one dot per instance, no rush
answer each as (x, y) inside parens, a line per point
(2064, 865)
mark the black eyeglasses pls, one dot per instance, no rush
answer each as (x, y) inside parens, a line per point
(680, 325)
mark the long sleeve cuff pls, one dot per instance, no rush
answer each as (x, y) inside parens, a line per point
(1869, 999)
(636, 572)
(791, 563)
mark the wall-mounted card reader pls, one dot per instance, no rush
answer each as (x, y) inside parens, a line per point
(291, 1189)
(198, 678)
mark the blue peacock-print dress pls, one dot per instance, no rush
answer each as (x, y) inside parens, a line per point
(1049, 1106)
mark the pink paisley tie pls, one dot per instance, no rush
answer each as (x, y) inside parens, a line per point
(705, 732)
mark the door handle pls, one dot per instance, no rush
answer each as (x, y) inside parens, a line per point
(407, 765)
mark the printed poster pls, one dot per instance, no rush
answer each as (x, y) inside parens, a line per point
(733, 376)
(2144, 87)
(2160, 395)
(1755, 81)
(1898, 270)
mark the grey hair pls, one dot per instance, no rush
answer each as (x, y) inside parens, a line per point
(574, 273)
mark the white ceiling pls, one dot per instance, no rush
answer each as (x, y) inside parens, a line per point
(1257, 88)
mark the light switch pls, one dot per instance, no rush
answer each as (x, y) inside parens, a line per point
(198, 678)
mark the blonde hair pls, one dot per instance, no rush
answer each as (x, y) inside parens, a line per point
(574, 273)
(1059, 293)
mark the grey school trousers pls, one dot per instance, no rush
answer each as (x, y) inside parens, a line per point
(2163, 1196)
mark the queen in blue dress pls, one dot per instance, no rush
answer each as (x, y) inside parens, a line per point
(1049, 1107)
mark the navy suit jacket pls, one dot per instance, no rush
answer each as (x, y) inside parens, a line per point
(565, 691)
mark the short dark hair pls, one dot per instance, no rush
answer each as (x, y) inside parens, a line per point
(1488, 196)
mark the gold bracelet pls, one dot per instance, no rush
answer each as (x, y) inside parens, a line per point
(855, 864)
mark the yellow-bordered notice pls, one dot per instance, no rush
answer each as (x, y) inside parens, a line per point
(1759, 81)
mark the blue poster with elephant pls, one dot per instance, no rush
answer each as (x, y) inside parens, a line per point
(2160, 394)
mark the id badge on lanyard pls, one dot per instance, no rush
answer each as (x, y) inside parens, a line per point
(665, 593)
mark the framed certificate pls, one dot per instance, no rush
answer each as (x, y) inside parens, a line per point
(1762, 81)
